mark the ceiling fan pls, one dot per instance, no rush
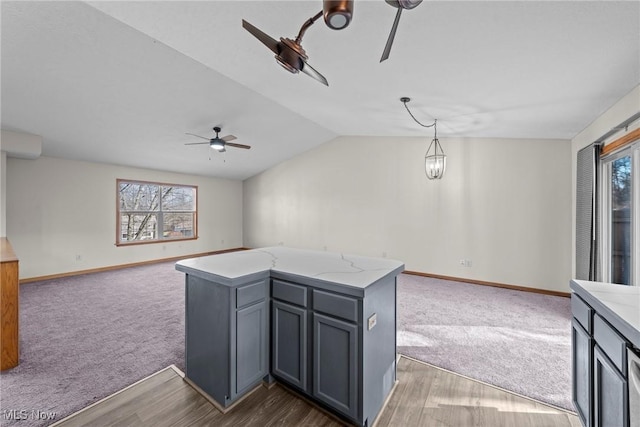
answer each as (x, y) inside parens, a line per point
(289, 53)
(400, 4)
(217, 143)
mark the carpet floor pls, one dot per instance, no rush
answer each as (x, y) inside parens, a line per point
(516, 340)
(83, 338)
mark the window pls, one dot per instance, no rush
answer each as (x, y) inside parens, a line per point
(153, 212)
(621, 216)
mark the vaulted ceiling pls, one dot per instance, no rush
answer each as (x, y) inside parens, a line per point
(122, 82)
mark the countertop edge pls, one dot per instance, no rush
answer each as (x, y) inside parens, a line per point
(357, 289)
(231, 282)
(332, 286)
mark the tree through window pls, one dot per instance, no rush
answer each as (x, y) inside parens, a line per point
(151, 212)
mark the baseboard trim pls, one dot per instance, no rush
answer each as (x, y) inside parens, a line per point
(215, 403)
(120, 266)
(494, 284)
(386, 402)
(177, 258)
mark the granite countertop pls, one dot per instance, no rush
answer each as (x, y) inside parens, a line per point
(346, 270)
(618, 304)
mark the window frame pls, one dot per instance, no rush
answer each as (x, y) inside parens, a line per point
(632, 149)
(160, 223)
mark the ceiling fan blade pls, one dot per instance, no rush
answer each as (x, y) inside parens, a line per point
(311, 72)
(266, 39)
(392, 35)
(193, 134)
(232, 144)
(196, 143)
(228, 138)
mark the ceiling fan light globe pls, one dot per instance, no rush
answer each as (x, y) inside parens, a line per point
(338, 21)
(217, 145)
(337, 13)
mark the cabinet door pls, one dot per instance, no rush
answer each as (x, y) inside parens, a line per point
(251, 345)
(610, 393)
(289, 344)
(335, 375)
(582, 362)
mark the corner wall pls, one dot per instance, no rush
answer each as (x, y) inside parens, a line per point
(503, 204)
(58, 209)
(618, 113)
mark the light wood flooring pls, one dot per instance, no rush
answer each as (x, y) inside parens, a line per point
(424, 396)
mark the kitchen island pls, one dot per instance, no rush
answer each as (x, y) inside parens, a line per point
(321, 323)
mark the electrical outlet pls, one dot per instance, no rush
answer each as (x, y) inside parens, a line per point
(373, 319)
(78, 257)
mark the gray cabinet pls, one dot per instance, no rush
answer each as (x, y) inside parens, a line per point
(328, 350)
(335, 353)
(251, 346)
(599, 369)
(610, 393)
(582, 359)
(582, 365)
(289, 341)
(226, 342)
(336, 349)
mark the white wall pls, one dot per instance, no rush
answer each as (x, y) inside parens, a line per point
(618, 113)
(503, 204)
(57, 209)
(14, 144)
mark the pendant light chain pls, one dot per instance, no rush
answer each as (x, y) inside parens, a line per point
(404, 101)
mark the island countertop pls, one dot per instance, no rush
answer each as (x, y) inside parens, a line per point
(618, 304)
(315, 268)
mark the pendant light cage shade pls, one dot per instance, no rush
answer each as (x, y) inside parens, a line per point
(435, 161)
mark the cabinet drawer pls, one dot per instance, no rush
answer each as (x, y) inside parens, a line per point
(295, 294)
(250, 294)
(611, 343)
(336, 305)
(582, 312)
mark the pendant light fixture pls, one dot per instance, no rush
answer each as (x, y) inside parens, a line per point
(435, 161)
